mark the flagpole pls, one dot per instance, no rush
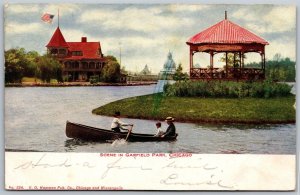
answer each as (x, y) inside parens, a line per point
(58, 17)
(120, 54)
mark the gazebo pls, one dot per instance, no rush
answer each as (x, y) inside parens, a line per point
(227, 37)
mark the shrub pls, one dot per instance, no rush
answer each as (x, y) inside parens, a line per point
(230, 89)
(94, 79)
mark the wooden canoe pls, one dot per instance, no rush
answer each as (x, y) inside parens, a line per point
(83, 132)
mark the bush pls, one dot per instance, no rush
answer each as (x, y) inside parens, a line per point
(94, 79)
(111, 72)
(230, 89)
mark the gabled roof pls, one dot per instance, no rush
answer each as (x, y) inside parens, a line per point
(90, 50)
(226, 32)
(57, 40)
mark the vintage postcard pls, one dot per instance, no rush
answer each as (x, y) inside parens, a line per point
(150, 97)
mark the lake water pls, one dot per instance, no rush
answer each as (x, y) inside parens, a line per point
(35, 119)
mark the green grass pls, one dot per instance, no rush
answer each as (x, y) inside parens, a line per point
(192, 109)
(31, 80)
(53, 81)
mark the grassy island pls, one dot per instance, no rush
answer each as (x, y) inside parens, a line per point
(205, 110)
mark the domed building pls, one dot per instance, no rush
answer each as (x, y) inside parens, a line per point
(145, 71)
(169, 67)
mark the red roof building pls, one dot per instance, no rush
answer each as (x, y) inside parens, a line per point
(57, 40)
(226, 32)
(227, 37)
(80, 60)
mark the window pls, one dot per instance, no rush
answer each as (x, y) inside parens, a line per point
(62, 51)
(53, 51)
(67, 65)
(92, 65)
(84, 65)
(74, 65)
(77, 53)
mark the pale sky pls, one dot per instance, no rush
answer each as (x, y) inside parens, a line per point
(146, 33)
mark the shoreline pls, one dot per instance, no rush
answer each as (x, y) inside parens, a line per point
(205, 110)
(213, 121)
(79, 84)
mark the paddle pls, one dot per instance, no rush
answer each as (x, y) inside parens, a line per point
(129, 131)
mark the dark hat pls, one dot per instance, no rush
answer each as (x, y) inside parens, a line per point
(169, 118)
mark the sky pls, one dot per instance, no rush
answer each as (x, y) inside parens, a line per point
(146, 33)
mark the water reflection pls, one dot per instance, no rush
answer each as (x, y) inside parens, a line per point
(71, 144)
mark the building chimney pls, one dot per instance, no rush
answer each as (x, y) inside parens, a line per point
(83, 39)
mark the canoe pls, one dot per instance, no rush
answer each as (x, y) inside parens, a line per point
(83, 132)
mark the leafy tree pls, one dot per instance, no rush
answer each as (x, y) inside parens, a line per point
(19, 63)
(111, 58)
(179, 75)
(230, 59)
(15, 65)
(111, 72)
(49, 67)
(278, 69)
(32, 66)
(277, 57)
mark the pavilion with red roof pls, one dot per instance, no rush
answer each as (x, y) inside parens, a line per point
(227, 37)
(80, 60)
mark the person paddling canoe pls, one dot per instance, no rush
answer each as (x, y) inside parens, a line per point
(117, 124)
(171, 130)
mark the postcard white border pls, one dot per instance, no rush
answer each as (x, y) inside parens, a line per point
(147, 171)
(294, 2)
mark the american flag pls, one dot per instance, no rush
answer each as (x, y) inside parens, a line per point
(47, 17)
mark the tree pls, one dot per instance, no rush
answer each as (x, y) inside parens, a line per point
(15, 64)
(230, 59)
(277, 57)
(281, 69)
(111, 58)
(179, 75)
(49, 67)
(278, 69)
(19, 64)
(111, 72)
(31, 69)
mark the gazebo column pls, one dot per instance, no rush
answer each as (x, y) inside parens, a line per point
(191, 61)
(263, 63)
(234, 59)
(240, 56)
(262, 60)
(242, 60)
(211, 63)
(226, 63)
(243, 63)
(240, 68)
(211, 59)
(235, 70)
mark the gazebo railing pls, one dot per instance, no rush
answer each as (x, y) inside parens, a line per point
(230, 74)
